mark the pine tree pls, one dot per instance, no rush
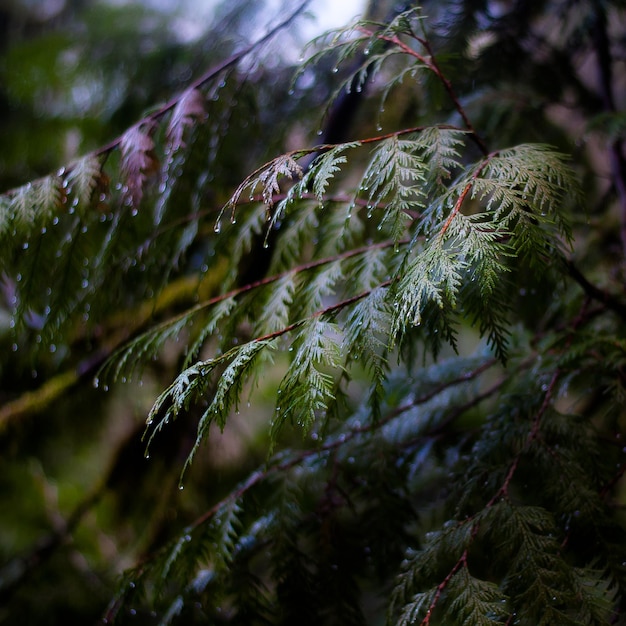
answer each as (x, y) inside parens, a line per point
(419, 319)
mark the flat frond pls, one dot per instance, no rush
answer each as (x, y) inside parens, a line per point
(307, 387)
(189, 107)
(393, 180)
(82, 178)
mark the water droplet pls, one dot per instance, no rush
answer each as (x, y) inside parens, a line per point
(181, 487)
(53, 348)
(335, 69)
(14, 347)
(25, 246)
(319, 132)
(218, 227)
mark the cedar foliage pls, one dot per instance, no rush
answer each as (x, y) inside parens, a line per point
(436, 307)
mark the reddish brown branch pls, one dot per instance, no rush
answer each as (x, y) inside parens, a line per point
(431, 64)
(442, 586)
(457, 206)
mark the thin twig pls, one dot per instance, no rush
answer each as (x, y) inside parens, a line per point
(431, 64)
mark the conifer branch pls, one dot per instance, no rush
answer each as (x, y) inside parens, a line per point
(149, 120)
(342, 440)
(207, 76)
(595, 293)
(463, 195)
(431, 63)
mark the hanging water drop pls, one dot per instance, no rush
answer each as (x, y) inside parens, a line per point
(218, 227)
